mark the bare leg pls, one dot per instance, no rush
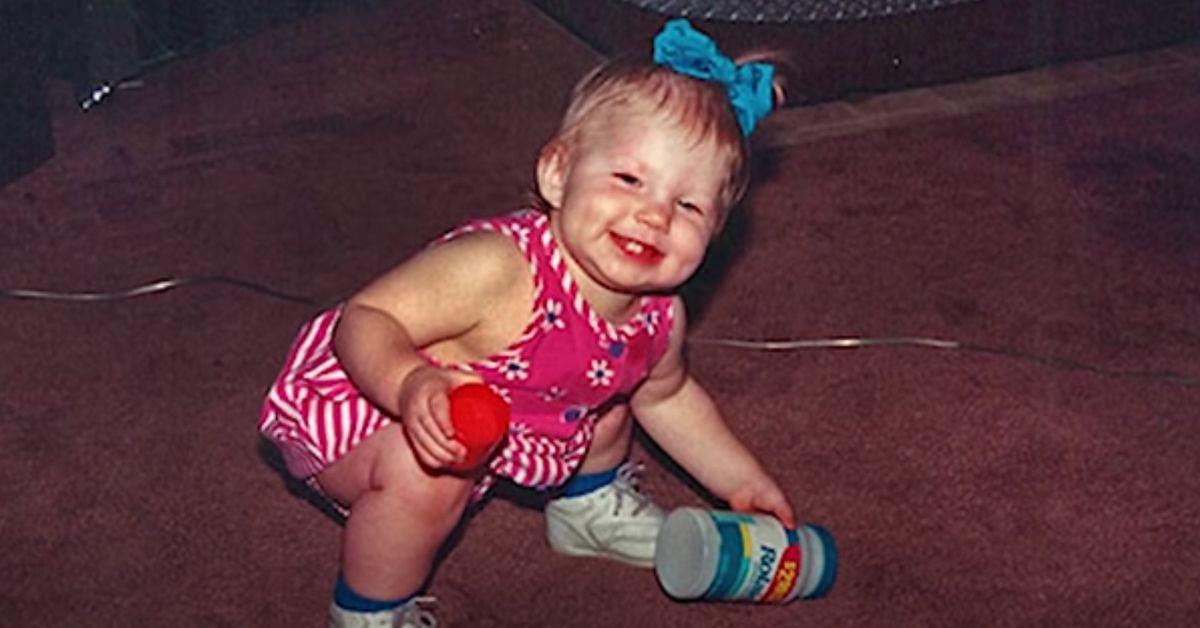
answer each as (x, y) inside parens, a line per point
(400, 514)
(610, 444)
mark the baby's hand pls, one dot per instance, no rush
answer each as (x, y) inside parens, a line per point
(764, 496)
(425, 412)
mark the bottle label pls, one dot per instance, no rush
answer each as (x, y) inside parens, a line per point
(759, 560)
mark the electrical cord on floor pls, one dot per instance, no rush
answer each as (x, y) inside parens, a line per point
(161, 285)
(934, 343)
(164, 285)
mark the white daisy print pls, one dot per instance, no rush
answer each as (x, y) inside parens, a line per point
(600, 374)
(553, 393)
(552, 316)
(649, 321)
(515, 368)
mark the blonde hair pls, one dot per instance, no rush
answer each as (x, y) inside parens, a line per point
(701, 109)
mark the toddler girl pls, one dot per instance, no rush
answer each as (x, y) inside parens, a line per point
(568, 311)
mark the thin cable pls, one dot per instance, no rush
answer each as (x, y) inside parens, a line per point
(1075, 365)
(164, 285)
(825, 343)
(934, 343)
(155, 287)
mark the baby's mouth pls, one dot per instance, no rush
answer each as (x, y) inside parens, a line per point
(636, 250)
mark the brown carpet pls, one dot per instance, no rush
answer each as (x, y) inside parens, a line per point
(964, 488)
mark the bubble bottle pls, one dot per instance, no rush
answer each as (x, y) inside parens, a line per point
(721, 555)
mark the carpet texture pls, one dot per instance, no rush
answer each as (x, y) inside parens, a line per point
(964, 488)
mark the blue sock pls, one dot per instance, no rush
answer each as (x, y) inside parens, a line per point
(585, 483)
(346, 598)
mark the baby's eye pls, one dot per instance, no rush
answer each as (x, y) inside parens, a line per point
(627, 179)
(691, 207)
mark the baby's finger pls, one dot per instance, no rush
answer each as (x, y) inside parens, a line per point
(739, 503)
(426, 459)
(778, 506)
(420, 450)
(439, 408)
(430, 442)
(786, 515)
(436, 419)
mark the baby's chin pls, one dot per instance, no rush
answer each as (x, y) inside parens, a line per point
(641, 286)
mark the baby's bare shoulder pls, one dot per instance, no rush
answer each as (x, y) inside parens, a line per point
(458, 274)
(485, 256)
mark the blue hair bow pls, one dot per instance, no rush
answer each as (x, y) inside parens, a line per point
(690, 52)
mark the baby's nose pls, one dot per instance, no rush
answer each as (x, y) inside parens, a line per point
(655, 214)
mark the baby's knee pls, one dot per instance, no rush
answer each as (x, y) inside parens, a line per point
(401, 477)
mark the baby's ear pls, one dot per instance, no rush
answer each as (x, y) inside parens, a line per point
(552, 173)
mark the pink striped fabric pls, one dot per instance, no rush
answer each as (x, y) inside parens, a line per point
(567, 365)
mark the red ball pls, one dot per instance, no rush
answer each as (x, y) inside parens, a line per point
(480, 418)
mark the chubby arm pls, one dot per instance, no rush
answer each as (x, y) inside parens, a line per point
(446, 293)
(682, 418)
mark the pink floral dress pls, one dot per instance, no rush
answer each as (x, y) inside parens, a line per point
(567, 367)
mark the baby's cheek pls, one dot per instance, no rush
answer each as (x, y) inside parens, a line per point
(691, 259)
(697, 244)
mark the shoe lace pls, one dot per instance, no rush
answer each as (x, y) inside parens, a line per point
(416, 613)
(627, 486)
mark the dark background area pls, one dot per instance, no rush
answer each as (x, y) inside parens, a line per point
(97, 45)
(840, 58)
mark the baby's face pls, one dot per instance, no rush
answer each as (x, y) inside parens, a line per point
(640, 202)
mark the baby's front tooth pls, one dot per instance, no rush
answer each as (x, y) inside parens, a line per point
(634, 247)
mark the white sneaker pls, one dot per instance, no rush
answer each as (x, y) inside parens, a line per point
(410, 615)
(615, 521)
